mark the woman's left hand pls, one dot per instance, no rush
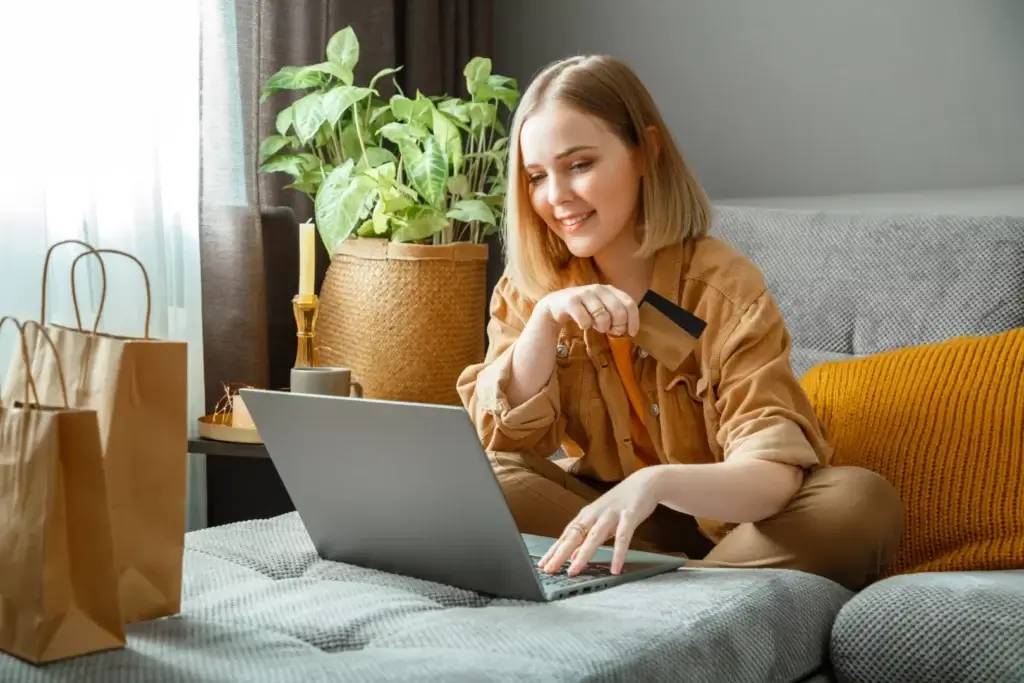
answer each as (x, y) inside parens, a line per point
(616, 514)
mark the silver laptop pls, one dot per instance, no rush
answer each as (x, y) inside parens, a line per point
(407, 488)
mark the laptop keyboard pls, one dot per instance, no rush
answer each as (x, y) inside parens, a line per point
(560, 578)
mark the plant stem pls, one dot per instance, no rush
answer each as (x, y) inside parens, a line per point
(338, 149)
(359, 131)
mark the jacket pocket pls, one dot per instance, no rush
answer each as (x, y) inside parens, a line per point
(575, 378)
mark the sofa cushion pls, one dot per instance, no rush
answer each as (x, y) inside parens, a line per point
(936, 627)
(860, 283)
(945, 424)
(259, 605)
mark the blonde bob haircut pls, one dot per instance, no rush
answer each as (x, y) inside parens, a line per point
(673, 206)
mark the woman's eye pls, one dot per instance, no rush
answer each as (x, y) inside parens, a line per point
(536, 178)
(580, 166)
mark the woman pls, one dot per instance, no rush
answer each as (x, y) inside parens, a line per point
(715, 452)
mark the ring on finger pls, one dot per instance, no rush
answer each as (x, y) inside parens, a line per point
(599, 311)
(582, 529)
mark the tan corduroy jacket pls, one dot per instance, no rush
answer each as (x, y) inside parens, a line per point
(734, 396)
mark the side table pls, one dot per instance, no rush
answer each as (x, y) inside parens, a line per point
(241, 482)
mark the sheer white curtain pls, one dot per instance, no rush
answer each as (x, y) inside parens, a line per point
(101, 143)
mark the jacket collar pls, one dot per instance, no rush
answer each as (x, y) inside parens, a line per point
(668, 270)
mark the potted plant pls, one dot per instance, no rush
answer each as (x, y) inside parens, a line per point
(405, 193)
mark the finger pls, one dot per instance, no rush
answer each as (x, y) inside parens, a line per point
(579, 313)
(604, 528)
(632, 312)
(553, 547)
(623, 535)
(619, 314)
(571, 539)
(597, 309)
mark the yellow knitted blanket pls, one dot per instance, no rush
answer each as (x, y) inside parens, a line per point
(944, 423)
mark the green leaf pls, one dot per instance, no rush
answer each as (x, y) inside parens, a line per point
(404, 132)
(291, 78)
(419, 111)
(389, 71)
(459, 186)
(292, 164)
(420, 222)
(308, 114)
(366, 229)
(477, 71)
(394, 203)
(471, 211)
(310, 180)
(334, 69)
(455, 108)
(342, 203)
(506, 96)
(377, 156)
(350, 142)
(496, 81)
(384, 174)
(338, 100)
(428, 171)
(449, 138)
(499, 144)
(380, 113)
(481, 115)
(284, 120)
(380, 219)
(343, 48)
(272, 145)
(495, 200)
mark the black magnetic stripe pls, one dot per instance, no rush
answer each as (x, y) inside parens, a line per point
(690, 323)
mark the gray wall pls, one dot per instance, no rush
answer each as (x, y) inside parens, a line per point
(807, 97)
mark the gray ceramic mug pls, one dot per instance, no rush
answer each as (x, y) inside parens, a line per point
(329, 381)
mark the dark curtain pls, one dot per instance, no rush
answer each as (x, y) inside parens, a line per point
(432, 39)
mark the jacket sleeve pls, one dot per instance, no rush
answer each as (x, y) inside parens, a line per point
(534, 426)
(764, 413)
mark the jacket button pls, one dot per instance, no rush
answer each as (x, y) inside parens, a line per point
(562, 350)
(642, 353)
(655, 410)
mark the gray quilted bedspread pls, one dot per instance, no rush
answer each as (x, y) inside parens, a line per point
(259, 605)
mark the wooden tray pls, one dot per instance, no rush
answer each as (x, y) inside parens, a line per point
(218, 428)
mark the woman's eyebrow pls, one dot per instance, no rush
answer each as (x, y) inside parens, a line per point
(565, 152)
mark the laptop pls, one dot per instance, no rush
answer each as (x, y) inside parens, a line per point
(407, 488)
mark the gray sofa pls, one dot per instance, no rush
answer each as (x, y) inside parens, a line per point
(259, 605)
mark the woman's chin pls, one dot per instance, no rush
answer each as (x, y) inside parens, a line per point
(584, 246)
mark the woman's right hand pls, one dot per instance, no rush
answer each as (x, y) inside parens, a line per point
(602, 307)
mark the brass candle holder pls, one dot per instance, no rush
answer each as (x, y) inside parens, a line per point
(306, 309)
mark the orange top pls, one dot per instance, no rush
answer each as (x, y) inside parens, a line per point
(622, 353)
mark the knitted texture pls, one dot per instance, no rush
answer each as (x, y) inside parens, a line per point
(260, 606)
(944, 423)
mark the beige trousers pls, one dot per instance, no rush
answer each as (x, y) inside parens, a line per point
(844, 524)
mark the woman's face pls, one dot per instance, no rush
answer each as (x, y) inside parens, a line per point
(584, 181)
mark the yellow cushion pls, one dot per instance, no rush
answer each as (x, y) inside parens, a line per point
(945, 424)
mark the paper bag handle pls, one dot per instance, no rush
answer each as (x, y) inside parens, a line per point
(145, 277)
(31, 383)
(78, 314)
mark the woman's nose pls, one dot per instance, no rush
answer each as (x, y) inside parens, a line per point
(559, 190)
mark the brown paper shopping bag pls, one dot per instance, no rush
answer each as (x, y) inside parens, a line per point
(58, 586)
(138, 388)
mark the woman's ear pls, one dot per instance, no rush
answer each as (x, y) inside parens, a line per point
(653, 136)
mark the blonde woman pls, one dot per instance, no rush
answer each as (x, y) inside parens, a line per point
(719, 458)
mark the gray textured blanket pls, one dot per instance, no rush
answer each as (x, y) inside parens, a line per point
(259, 605)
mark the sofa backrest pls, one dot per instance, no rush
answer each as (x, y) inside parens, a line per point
(852, 284)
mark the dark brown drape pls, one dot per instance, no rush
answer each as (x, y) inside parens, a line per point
(432, 39)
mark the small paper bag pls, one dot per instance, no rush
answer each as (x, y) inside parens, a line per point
(138, 388)
(58, 586)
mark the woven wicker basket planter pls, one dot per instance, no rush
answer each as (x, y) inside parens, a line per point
(406, 318)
